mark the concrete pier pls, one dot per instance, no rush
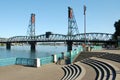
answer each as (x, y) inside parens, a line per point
(69, 45)
(8, 45)
(32, 46)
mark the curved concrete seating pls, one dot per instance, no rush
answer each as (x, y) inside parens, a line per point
(78, 70)
(114, 64)
(113, 57)
(84, 55)
(71, 72)
(103, 70)
(98, 72)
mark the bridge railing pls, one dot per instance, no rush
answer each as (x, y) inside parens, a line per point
(26, 62)
(69, 56)
(97, 47)
(7, 61)
(46, 60)
(75, 52)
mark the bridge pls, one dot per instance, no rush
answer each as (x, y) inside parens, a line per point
(90, 37)
(72, 36)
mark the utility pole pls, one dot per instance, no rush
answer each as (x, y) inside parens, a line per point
(85, 23)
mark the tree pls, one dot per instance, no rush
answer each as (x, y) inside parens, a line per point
(117, 30)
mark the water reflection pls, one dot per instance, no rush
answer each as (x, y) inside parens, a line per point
(33, 54)
(25, 52)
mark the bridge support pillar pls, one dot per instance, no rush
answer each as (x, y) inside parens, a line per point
(8, 45)
(69, 45)
(32, 45)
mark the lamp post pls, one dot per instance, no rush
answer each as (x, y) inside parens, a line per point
(85, 23)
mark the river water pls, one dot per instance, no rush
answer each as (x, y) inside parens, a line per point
(24, 51)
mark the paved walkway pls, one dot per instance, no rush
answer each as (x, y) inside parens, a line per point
(46, 72)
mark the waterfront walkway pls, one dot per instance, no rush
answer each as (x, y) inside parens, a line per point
(85, 68)
(46, 72)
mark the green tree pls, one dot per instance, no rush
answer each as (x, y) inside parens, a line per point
(117, 30)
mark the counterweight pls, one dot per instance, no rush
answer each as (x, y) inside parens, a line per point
(31, 27)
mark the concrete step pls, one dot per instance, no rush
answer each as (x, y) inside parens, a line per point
(84, 55)
(78, 71)
(83, 71)
(71, 72)
(115, 65)
(103, 70)
(66, 72)
(113, 57)
(96, 68)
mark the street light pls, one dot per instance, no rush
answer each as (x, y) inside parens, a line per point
(84, 7)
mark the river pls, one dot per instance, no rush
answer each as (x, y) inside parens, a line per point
(24, 51)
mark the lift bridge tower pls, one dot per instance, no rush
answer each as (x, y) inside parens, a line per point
(72, 28)
(31, 32)
(72, 24)
(31, 27)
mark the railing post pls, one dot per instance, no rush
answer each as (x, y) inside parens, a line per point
(55, 58)
(37, 62)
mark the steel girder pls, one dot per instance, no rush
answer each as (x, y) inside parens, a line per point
(59, 38)
(3, 40)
